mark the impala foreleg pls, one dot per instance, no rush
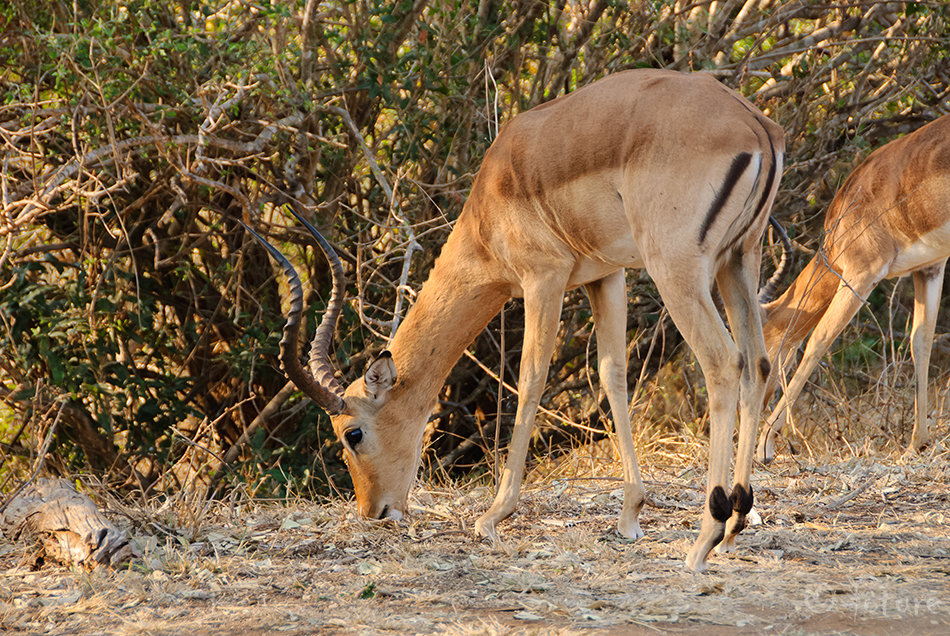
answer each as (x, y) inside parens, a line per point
(543, 302)
(843, 306)
(928, 285)
(771, 430)
(608, 299)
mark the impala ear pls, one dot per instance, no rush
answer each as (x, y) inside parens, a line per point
(380, 376)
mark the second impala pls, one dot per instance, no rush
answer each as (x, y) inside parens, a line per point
(644, 169)
(889, 219)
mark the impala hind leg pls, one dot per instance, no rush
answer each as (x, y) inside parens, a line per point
(542, 306)
(691, 307)
(843, 306)
(737, 283)
(928, 285)
(608, 299)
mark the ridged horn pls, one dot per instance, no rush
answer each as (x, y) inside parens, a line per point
(767, 293)
(323, 337)
(318, 383)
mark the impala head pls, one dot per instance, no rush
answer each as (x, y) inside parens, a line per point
(381, 454)
(381, 461)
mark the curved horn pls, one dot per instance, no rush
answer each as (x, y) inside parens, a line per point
(321, 386)
(323, 337)
(767, 294)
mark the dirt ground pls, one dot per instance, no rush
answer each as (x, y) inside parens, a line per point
(847, 547)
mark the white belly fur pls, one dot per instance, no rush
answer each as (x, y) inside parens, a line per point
(621, 253)
(928, 250)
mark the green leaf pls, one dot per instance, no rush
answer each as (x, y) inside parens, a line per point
(368, 592)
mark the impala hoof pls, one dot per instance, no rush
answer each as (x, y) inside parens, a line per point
(727, 545)
(711, 535)
(630, 530)
(918, 445)
(485, 527)
(696, 561)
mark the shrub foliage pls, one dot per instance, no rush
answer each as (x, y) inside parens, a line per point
(139, 322)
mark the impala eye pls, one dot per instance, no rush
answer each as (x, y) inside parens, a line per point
(353, 437)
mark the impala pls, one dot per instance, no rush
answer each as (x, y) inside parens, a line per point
(890, 218)
(646, 169)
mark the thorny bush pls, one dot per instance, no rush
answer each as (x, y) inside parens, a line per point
(139, 324)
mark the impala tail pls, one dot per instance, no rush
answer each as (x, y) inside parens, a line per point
(767, 293)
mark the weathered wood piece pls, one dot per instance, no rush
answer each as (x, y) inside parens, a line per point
(67, 523)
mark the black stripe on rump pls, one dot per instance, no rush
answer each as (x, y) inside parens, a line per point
(739, 164)
(764, 197)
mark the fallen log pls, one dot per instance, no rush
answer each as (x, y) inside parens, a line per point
(66, 523)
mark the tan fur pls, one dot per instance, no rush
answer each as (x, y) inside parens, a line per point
(890, 218)
(622, 173)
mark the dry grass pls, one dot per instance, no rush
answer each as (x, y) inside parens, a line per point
(854, 541)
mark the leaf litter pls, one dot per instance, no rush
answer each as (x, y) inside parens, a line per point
(855, 546)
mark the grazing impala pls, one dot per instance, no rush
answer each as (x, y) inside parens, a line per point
(890, 218)
(673, 173)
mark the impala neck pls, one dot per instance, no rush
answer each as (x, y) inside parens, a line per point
(791, 316)
(455, 304)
